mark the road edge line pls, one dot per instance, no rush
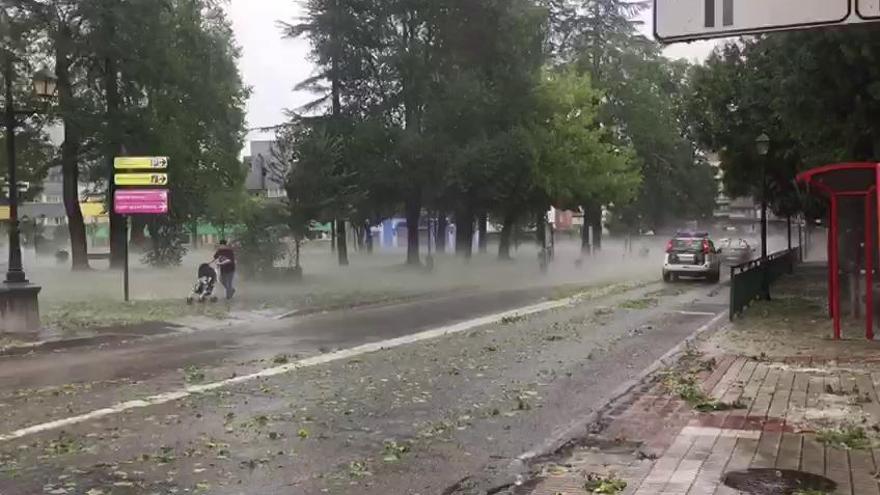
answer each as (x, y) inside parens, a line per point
(369, 348)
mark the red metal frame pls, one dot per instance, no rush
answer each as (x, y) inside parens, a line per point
(834, 263)
(830, 269)
(871, 197)
(869, 264)
(808, 176)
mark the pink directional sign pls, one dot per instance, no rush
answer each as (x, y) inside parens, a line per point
(141, 202)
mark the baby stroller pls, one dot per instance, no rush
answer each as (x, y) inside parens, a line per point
(204, 288)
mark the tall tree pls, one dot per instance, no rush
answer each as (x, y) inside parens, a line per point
(342, 35)
(641, 91)
(62, 23)
(562, 156)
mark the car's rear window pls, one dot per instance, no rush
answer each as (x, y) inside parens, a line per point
(687, 244)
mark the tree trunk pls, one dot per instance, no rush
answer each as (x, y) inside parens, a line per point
(597, 234)
(341, 243)
(585, 237)
(333, 236)
(593, 218)
(70, 153)
(541, 238)
(483, 223)
(413, 216)
(464, 234)
(540, 230)
(195, 234)
(368, 237)
(442, 227)
(506, 235)
(359, 237)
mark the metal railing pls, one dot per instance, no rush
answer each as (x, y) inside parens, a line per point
(746, 279)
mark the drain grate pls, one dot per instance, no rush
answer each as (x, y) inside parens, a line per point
(777, 482)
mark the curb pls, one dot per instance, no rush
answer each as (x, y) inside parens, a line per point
(54, 345)
(109, 338)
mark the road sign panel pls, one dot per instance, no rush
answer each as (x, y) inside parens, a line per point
(141, 179)
(868, 9)
(140, 162)
(686, 20)
(141, 202)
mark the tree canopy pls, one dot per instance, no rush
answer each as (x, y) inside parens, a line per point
(813, 93)
(166, 84)
(463, 109)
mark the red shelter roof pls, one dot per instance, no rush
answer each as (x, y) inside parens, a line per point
(835, 182)
(841, 178)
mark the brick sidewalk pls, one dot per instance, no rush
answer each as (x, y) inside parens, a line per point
(668, 448)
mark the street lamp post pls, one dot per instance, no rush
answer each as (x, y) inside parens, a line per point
(18, 297)
(762, 146)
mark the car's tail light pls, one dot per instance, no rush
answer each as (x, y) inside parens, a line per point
(669, 246)
(705, 246)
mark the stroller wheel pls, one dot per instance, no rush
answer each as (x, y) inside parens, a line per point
(214, 299)
(189, 301)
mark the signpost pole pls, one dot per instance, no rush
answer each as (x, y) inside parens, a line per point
(141, 188)
(125, 253)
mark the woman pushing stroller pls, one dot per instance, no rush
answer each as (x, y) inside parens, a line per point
(203, 290)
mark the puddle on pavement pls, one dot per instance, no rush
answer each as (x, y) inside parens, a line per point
(777, 482)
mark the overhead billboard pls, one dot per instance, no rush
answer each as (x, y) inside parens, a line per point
(689, 20)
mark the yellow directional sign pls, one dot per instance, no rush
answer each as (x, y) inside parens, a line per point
(140, 162)
(141, 179)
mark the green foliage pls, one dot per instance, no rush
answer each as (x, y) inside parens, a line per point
(224, 209)
(259, 241)
(847, 437)
(687, 387)
(34, 156)
(312, 158)
(577, 162)
(813, 93)
(609, 485)
(179, 90)
(642, 91)
(167, 244)
(639, 304)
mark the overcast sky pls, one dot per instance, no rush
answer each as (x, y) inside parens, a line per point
(271, 66)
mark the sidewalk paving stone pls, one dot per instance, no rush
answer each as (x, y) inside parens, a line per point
(794, 386)
(773, 430)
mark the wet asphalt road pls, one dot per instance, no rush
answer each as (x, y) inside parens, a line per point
(417, 419)
(144, 359)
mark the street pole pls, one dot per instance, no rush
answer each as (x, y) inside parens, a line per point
(791, 259)
(125, 275)
(15, 273)
(765, 274)
(801, 240)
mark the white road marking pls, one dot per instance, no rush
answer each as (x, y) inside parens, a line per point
(696, 313)
(287, 368)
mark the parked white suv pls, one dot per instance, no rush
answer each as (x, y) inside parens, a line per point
(691, 254)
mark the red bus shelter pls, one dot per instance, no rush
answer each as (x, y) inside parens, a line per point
(851, 192)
